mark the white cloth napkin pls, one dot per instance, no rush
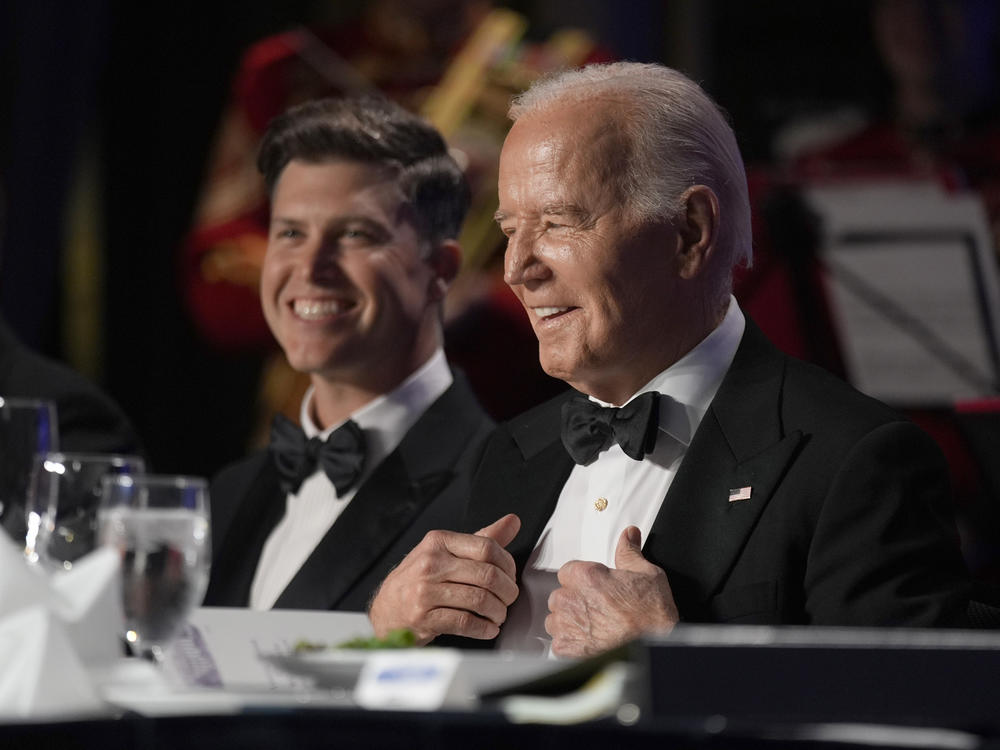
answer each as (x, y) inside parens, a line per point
(58, 632)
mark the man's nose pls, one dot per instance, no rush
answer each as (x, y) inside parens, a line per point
(521, 261)
(323, 264)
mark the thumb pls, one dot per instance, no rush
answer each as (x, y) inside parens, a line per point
(503, 530)
(628, 553)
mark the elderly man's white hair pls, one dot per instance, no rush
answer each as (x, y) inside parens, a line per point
(677, 138)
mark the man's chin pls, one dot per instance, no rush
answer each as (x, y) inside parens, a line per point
(313, 367)
(314, 360)
(558, 367)
(583, 379)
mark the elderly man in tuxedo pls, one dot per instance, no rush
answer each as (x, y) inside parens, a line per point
(696, 473)
(366, 203)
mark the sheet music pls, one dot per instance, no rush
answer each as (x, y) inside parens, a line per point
(912, 283)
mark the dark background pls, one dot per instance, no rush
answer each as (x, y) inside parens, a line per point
(139, 87)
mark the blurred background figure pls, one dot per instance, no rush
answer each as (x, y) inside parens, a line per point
(929, 111)
(88, 420)
(942, 118)
(935, 118)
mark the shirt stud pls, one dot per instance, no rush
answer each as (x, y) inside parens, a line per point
(601, 503)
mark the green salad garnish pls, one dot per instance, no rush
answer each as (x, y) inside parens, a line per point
(400, 638)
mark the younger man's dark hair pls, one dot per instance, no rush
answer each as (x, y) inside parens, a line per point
(375, 130)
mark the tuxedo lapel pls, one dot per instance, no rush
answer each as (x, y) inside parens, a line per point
(383, 506)
(531, 470)
(236, 562)
(699, 532)
(528, 487)
(387, 502)
(739, 446)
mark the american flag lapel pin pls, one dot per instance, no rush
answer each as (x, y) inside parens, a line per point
(740, 493)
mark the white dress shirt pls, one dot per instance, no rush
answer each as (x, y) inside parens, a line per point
(311, 511)
(601, 499)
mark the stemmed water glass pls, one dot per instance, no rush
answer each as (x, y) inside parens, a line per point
(63, 499)
(27, 426)
(160, 527)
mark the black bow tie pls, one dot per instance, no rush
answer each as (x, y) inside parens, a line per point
(587, 428)
(341, 455)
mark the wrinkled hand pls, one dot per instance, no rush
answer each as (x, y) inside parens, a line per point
(452, 583)
(598, 608)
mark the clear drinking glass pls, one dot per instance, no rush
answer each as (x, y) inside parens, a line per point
(27, 426)
(160, 527)
(63, 498)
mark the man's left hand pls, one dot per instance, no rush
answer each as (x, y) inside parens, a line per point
(598, 608)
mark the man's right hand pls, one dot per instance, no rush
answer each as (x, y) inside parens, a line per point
(451, 583)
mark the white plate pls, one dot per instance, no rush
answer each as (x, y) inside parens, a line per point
(480, 672)
(137, 685)
(331, 668)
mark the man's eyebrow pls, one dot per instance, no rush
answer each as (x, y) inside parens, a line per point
(563, 209)
(401, 215)
(335, 221)
(552, 209)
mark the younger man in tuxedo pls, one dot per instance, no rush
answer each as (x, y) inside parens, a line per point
(366, 203)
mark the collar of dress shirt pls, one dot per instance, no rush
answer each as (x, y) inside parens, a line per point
(692, 381)
(386, 419)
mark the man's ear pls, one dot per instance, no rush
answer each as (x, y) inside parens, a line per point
(697, 230)
(445, 261)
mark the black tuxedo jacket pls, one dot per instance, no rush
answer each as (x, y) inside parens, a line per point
(420, 486)
(848, 521)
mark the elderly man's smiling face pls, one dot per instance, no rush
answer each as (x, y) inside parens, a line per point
(603, 290)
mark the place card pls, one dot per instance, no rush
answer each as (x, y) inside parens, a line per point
(423, 679)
